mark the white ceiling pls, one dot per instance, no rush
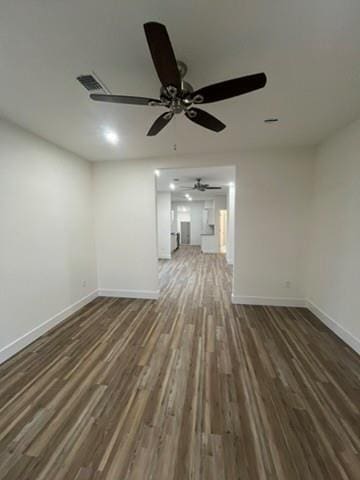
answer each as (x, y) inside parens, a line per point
(309, 50)
(214, 176)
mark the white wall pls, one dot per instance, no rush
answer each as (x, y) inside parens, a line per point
(164, 224)
(272, 215)
(125, 224)
(333, 280)
(230, 205)
(46, 236)
(173, 218)
(272, 207)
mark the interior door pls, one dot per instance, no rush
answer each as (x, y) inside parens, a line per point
(185, 233)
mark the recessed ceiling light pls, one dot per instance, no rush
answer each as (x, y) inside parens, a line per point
(187, 195)
(157, 173)
(111, 137)
(189, 199)
(172, 186)
(271, 120)
(231, 184)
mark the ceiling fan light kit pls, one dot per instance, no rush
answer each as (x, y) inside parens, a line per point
(176, 94)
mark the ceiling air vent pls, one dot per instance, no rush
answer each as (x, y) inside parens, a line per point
(90, 82)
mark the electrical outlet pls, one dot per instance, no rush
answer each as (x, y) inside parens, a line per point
(288, 284)
(84, 283)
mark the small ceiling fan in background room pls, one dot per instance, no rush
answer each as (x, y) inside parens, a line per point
(200, 187)
(177, 95)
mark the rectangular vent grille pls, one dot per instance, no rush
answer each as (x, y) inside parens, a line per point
(89, 82)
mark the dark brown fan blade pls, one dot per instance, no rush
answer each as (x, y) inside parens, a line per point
(125, 99)
(162, 54)
(213, 188)
(229, 88)
(160, 123)
(204, 119)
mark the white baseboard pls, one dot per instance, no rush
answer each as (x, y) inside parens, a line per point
(164, 257)
(268, 301)
(146, 294)
(21, 342)
(229, 261)
(340, 331)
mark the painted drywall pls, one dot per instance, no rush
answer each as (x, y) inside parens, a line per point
(272, 207)
(230, 205)
(273, 190)
(163, 200)
(46, 235)
(333, 280)
(125, 225)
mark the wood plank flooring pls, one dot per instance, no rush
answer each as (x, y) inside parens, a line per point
(188, 387)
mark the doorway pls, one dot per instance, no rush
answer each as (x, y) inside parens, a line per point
(193, 223)
(223, 230)
(185, 233)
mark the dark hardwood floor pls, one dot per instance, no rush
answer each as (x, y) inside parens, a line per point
(188, 387)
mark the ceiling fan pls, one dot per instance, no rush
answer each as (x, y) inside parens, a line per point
(178, 95)
(201, 187)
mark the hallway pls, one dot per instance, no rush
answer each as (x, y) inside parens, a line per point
(186, 387)
(196, 279)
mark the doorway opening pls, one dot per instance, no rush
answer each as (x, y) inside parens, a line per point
(183, 227)
(223, 223)
(185, 233)
(195, 217)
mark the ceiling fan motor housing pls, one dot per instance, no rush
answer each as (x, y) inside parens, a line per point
(178, 101)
